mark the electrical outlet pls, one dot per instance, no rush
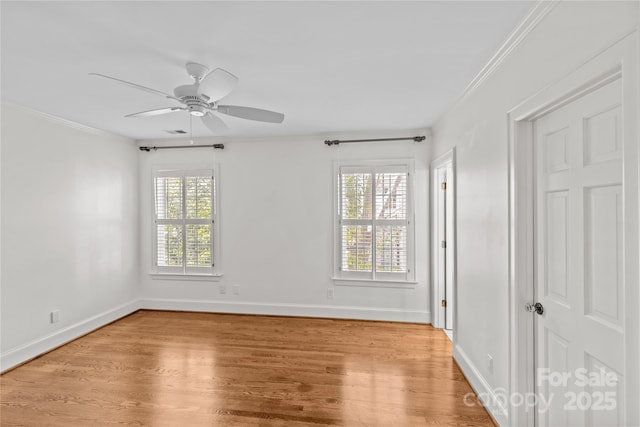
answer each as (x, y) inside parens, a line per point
(55, 316)
(329, 293)
(490, 363)
(223, 289)
(236, 289)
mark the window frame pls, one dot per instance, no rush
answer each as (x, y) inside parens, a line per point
(186, 272)
(373, 278)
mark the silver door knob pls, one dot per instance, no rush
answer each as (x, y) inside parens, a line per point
(537, 308)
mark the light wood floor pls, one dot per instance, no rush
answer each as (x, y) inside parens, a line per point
(197, 369)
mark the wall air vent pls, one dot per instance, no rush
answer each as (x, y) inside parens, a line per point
(176, 131)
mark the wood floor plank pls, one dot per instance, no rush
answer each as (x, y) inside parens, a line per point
(157, 368)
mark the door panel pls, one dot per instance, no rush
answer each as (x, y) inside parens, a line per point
(557, 359)
(555, 147)
(603, 249)
(602, 137)
(599, 417)
(579, 259)
(556, 247)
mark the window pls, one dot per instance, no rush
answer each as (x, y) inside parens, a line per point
(374, 236)
(185, 226)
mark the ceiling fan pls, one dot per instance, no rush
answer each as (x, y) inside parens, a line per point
(201, 98)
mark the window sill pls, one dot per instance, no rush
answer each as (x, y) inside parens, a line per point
(403, 284)
(188, 277)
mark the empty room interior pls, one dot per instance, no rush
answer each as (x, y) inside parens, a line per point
(308, 213)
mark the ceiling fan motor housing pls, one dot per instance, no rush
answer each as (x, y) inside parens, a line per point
(197, 104)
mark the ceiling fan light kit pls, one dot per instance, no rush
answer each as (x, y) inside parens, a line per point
(197, 110)
(201, 98)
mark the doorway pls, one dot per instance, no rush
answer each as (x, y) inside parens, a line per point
(574, 248)
(443, 242)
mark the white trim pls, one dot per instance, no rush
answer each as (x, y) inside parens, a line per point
(331, 311)
(37, 347)
(40, 346)
(406, 164)
(616, 61)
(490, 398)
(183, 170)
(187, 277)
(341, 281)
(159, 167)
(403, 162)
(521, 354)
(528, 24)
(448, 158)
(70, 124)
(526, 108)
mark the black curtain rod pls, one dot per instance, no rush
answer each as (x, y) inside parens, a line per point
(348, 141)
(164, 147)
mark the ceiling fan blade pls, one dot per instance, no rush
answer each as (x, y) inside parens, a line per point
(137, 86)
(214, 123)
(217, 84)
(156, 112)
(251, 113)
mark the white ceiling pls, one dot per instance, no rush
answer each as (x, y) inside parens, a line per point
(329, 66)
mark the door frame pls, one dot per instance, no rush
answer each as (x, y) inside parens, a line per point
(438, 292)
(617, 61)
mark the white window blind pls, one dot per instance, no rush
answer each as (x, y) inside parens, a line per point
(375, 230)
(185, 219)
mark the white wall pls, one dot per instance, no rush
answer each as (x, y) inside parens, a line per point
(477, 126)
(277, 237)
(69, 231)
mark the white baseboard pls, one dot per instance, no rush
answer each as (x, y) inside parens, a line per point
(487, 395)
(332, 311)
(25, 352)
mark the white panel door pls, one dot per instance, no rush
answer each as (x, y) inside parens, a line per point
(579, 261)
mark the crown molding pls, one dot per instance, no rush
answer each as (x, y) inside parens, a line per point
(67, 123)
(528, 24)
